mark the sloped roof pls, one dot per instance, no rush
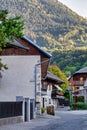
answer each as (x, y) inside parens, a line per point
(85, 84)
(83, 70)
(54, 77)
(17, 43)
(35, 45)
(58, 87)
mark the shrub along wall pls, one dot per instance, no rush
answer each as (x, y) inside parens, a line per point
(80, 99)
(80, 106)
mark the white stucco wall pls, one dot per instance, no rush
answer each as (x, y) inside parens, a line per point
(47, 98)
(19, 79)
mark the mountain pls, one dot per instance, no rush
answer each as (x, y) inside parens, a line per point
(53, 26)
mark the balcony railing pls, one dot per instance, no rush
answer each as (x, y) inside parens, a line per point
(77, 83)
(78, 92)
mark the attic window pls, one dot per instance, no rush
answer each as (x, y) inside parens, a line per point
(81, 78)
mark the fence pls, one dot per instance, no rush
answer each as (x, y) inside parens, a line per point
(10, 109)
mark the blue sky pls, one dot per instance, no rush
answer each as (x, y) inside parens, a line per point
(79, 6)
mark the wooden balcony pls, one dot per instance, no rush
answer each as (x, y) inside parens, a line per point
(56, 94)
(78, 92)
(77, 83)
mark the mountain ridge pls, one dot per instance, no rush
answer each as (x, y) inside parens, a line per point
(55, 28)
(49, 23)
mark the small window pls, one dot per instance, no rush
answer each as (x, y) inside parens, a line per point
(81, 78)
(49, 87)
(49, 101)
(44, 85)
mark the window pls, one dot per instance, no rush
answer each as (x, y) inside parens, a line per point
(49, 87)
(49, 101)
(44, 85)
(81, 78)
(38, 87)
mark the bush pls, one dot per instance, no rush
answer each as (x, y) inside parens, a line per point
(42, 110)
(80, 106)
(80, 99)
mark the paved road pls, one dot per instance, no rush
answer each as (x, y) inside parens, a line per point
(63, 120)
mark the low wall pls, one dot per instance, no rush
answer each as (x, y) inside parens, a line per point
(11, 120)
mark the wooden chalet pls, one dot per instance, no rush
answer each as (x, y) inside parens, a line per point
(52, 94)
(78, 83)
(24, 46)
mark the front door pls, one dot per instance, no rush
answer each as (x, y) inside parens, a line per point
(25, 111)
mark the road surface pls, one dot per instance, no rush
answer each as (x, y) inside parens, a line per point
(63, 120)
(68, 120)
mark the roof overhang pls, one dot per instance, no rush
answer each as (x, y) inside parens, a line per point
(54, 78)
(17, 43)
(58, 87)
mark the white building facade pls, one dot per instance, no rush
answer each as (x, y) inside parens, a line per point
(18, 82)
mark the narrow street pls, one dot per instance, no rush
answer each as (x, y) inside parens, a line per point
(63, 120)
(68, 120)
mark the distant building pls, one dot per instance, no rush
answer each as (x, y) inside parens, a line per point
(50, 90)
(78, 83)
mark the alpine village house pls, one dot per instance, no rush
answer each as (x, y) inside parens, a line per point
(20, 84)
(26, 85)
(78, 84)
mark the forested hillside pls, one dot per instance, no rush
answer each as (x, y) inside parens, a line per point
(53, 26)
(49, 23)
(70, 61)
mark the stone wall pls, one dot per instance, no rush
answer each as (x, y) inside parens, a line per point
(11, 120)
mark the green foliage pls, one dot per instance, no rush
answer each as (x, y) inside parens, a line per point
(9, 27)
(54, 26)
(66, 94)
(50, 23)
(80, 106)
(56, 70)
(42, 109)
(70, 61)
(80, 98)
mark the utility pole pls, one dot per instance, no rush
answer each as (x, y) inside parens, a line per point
(74, 95)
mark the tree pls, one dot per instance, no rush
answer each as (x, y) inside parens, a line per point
(56, 70)
(67, 94)
(9, 27)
